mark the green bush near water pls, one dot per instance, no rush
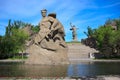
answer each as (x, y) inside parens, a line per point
(107, 38)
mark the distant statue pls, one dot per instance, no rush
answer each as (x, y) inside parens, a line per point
(74, 34)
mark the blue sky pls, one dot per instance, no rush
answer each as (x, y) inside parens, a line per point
(82, 13)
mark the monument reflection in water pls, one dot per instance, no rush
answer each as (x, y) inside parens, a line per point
(72, 70)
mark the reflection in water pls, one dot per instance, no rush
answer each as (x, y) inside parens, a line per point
(44, 70)
(72, 70)
(94, 69)
(22, 70)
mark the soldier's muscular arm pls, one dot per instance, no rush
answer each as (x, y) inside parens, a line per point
(54, 23)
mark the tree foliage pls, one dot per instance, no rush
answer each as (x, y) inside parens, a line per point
(35, 29)
(13, 41)
(107, 37)
(90, 32)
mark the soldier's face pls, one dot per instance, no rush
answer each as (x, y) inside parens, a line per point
(44, 14)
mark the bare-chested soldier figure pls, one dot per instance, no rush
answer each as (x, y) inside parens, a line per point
(51, 31)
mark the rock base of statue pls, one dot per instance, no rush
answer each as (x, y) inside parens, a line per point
(39, 55)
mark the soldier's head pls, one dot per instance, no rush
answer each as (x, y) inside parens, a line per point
(52, 15)
(44, 12)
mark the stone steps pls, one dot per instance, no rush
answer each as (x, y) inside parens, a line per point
(78, 51)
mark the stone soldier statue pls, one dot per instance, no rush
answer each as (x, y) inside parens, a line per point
(49, 45)
(74, 34)
(51, 34)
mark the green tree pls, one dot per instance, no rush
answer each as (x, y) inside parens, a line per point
(35, 29)
(14, 40)
(102, 36)
(115, 41)
(117, 23)
(90, 32)
(107, 37)
(5, 48)
(8, 29)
